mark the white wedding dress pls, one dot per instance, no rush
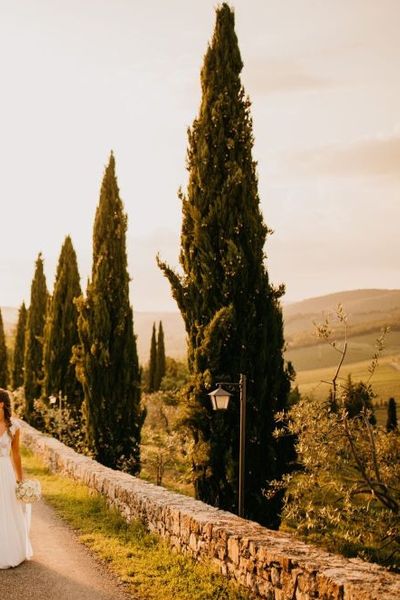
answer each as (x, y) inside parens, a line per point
(15, 517)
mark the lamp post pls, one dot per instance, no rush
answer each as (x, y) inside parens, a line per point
(220, 401)
(53, 401)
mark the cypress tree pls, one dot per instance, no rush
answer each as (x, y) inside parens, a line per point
(153, 362)
(19, 349)
(106, 359)
(33, 358)
(3, 356)
(160, 356)
(358, 397)
(231, 311)
(61, 331)
(391, 422)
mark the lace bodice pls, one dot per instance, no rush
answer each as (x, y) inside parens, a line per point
(5, 440)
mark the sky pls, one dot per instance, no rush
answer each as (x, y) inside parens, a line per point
(79, 79)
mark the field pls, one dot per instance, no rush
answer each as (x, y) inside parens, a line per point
(360, 348)
(385, 381)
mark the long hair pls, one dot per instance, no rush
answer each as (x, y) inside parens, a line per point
(5, 398)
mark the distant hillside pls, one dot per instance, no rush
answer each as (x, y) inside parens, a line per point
(10, 317)
(356, 302)
(367, 310)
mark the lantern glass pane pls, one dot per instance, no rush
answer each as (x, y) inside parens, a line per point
(223, 402)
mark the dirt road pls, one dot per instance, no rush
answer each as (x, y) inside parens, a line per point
(61, 568)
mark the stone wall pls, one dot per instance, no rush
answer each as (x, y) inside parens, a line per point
(273, 565)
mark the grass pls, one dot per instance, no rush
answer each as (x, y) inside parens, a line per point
(144, 562)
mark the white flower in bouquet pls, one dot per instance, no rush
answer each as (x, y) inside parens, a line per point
(28, 491)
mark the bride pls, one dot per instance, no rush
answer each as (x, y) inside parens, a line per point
(15, 546)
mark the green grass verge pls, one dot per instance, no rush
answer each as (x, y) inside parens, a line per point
(141, 560)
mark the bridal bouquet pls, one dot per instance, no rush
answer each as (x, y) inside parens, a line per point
(29, 491)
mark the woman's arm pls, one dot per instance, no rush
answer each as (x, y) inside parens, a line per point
(16, 456)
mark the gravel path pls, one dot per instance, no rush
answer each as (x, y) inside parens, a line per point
(61, 568)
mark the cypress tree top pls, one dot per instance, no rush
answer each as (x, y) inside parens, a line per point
(61, 330)
(33, 372)
(153, 361)
(223, 232)
(161, 366)
(19, 349)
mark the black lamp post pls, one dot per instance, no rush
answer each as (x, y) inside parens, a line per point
(220, 401)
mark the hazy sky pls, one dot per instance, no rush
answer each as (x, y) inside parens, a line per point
(79, 78)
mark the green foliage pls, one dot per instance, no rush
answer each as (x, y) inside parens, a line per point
(106, 358)
(358, 397)
(166, 445)
(18, 402)
(19, 349)
(63, 422)
(391, 422)
(160, 356)
(33, 359)
(152, 376)
(3, 356)
(176, 375)
(231, 312)
(61, 332)
(346, 495)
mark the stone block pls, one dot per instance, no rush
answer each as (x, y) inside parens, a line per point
(275, 577)
(233, 549)
(193, 542)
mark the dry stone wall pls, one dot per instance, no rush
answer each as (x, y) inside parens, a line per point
(270, 564)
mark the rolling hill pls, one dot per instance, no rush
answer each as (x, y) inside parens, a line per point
(368, 311)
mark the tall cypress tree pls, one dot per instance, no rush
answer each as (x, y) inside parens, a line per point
(19, 349)
(33, 358)
(61, 331)
(231, 312)
(160, 356)
(153, 361)
(107, 360)
(391, 421)
(3, 356)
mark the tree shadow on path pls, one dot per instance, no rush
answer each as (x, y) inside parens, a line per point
(61, 567)
(34, 581)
